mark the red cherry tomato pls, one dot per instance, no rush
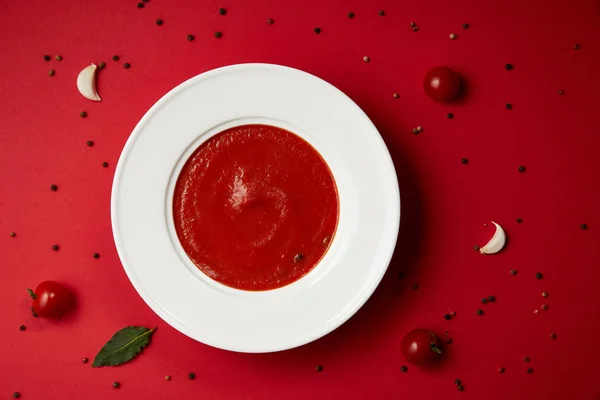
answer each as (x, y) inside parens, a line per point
(51, 300)
(441, 83)
(421, 347)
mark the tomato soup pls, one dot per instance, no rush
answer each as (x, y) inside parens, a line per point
(255, 207)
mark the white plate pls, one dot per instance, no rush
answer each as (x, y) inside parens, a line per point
(215, 314)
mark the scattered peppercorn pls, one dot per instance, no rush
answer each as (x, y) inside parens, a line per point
(16, 395)
(508, 67)
(544, 307)
(452, 36)
(218, 34)
(420, 128)
(317, 30)
(583, 226)
(453, 313)
(13, 234)
(115, 58)
(105, 164)
(415, 131)
(539, 275)
(222, 11)
(447, 317)
(54, 188)
(479, 312)
(464, 161)
(34, 313)
(83, 114)
(412, 24)
(553, 336)
(117, 385)
(84, 360)
(576, 46)
(513, 272)
(55, 247)
(404, 368)
(526, 359)
(318, 368)
(450, 115)
(159, 22)
(366, 59)
(350, 14)
(22, 327)
(168, 378)
(508, 106)
(530, 370)
(190, 37)
(465, 26)
(561, 92)
(457, 381)
(400, 274)
(476, 248)
(46, 57)
(192, 375)
(544, 294)
(101, 65)
(415, 28)
(381, 13)
(491, 299)
(89, 143)
(51, 72)
(519, 220)
(395, 95)
(501, 370)
(484, 300)
(415, 286)
(126, 65)
(298, 257)
(140, 5)
(460, 388)
(96, 255)
(58, 57)
(521, 168)
(270, 21)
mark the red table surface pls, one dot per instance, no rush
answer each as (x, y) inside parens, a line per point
(444, 202)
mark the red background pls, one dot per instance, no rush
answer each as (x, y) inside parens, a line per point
(444, 203)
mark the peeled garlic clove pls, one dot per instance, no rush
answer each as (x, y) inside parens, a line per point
(86, 83)
(496, 243)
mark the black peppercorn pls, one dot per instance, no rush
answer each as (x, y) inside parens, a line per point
(159, 22)
(83, 114)
(508, 67)
(51, 72)
(16, 395)
(55, 247)
(460, 388)
(58, 58)
(465, 26)
(479, 312)
(101, 65)
(192, 375)
(484, 300)
(298, 257)
(583, 226)
(190, 37)
(350, 14)
(140, 5)
(457, 381)
(117, 385)
(222, 11)
(270, 21)
(447, 317)
(450, 115)
(464, 161)
(105, 164)
(13, 234)
(54, 188)
(46, 57)
(404, 368)
(218, 34)
(501, 370)
(576, 46)
(96, 255)
(508, 106)
(318, 368)
(89, 143)
(22, 327)
(526, 359)
(519, 220)
(317, 30)
(476, 248)
(84, 360)
(115, 58)
(491, 299)
(415, 286)
(539, 275)
(529, 370)
(553, 336)
(521, 168)
(513, 272)
(381, 13)
(126, 65)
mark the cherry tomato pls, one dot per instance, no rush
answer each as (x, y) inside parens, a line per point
(441, 83)
(421, 347)
(51, 300)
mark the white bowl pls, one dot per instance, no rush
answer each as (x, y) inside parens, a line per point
(227, 318)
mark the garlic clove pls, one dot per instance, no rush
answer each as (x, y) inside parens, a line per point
(496, 243)
(86, 83)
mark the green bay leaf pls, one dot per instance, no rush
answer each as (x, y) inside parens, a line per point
(123, 346)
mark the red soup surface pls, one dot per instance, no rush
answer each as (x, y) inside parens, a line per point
(255, 207)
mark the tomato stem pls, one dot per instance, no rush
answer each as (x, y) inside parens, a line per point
(31, 294)
(435, 349)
